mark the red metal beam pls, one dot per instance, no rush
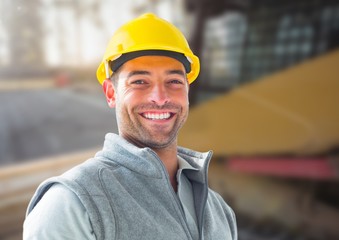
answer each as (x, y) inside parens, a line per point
(322, 168)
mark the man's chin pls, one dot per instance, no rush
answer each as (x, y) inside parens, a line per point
(156, 143)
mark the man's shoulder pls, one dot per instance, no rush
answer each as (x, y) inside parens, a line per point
(78, 179)
(217, 200)
(58, 206)
(82, 180)
(88, 169)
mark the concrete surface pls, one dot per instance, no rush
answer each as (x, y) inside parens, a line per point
(36, 123)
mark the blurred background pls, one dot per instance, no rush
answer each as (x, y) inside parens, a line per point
(266, 102)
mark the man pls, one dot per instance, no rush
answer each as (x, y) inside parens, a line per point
(141, 185)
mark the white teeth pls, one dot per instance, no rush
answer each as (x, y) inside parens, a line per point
(156, 116)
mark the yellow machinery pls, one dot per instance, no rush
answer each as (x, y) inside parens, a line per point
(270, 134)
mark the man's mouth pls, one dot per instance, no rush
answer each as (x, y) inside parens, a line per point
(157, 116)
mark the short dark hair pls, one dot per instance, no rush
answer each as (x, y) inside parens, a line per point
(115, 77)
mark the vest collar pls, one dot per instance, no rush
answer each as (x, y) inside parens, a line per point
(146, 162)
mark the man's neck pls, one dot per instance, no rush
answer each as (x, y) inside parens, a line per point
(169, 158)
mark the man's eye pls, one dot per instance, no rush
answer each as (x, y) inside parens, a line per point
(138, 82)
(176, 81)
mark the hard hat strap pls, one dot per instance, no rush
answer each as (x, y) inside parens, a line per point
(116, 64)
(107, 70)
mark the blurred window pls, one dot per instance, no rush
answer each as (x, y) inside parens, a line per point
(269, 36)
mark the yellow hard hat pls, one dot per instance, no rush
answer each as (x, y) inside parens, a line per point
(148, 34)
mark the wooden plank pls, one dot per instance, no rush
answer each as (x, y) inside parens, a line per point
(18, 183)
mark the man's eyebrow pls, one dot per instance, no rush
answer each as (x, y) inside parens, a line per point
(138, 72)
(179, 72)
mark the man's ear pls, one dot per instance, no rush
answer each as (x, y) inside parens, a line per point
(109, 91)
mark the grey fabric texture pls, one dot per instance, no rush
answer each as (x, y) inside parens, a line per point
(127, 195)
(58, 215)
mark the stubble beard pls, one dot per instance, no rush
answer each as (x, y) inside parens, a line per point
(134, 131)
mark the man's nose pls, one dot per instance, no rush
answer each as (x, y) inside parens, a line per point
(159, 95)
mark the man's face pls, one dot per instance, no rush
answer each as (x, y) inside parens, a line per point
(151, 101)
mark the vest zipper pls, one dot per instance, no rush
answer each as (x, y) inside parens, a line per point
(174, 196)
(205, 196)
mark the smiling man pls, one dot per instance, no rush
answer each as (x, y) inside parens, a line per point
(142, 185)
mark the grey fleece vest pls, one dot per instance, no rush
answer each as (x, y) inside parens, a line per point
(127, 195)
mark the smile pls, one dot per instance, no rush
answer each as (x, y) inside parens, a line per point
(157, 116)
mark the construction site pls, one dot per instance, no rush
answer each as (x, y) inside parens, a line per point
(266, 102)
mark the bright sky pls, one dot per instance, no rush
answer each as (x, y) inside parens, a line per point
(84, 39)
(72, 40)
